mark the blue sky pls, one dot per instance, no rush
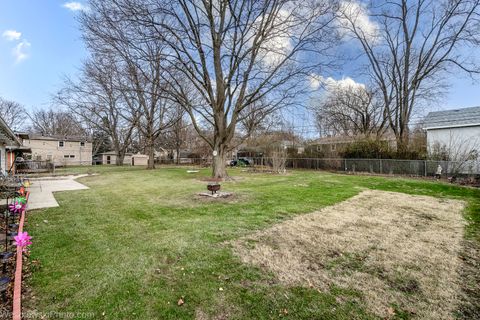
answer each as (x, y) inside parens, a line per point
(48, 44)
(49, 47)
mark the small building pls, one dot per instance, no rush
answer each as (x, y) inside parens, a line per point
(140, 160)
(60, 150)
(110, 157)
(455, 133)
(130, 159)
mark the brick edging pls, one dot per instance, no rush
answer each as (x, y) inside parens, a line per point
(17, 284)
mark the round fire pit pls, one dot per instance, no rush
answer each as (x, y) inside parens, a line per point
(213, 187)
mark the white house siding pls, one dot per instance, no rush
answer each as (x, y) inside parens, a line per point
(463, 139)
(458, 143)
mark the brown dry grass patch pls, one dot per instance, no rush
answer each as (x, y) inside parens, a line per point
(400, 251)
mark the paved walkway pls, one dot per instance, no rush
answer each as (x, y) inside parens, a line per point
(41, 190)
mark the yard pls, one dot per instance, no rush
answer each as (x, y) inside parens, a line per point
(141, 245)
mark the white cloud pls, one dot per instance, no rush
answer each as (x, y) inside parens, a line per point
(330, 84)
(11, 35)
(315, 81)
(356, 13)
(276, 48)
(21, 51)
(75, 6)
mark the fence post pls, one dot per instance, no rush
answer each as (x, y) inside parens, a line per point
(345, 161)
(381, 167)
(425, 167)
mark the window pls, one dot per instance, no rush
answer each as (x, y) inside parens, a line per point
(66, 156)
(82, 144)
(61, 144)
(69, 156)
(72, 156)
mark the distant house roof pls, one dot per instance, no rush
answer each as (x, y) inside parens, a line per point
(347, 139)
(35, 136)
(113, 153)
(465, 117)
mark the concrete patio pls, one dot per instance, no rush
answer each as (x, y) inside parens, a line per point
(42, 189)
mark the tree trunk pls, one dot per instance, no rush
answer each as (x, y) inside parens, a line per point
(150, 150)
(219, 170)
(119, 159)
(178, 154)
(402, 144)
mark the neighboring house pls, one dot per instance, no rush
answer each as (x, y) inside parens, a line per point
(266, 150)
(60, 150)
(8, 140)
(138, 159)
(333, 147)
(162, 153)
(454, 133)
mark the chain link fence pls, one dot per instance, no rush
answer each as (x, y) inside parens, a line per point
(378, 166)
(425, 168)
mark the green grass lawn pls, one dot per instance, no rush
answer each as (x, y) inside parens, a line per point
(138, 241)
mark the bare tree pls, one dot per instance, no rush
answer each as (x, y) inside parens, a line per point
(176, 136)
(224, 56)
(409, 46)
(13, 113)
(351, 110)
(56, 123)
(97, 101)
(142, 59)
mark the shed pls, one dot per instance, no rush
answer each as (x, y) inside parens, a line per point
(110, 157)
(139, 160)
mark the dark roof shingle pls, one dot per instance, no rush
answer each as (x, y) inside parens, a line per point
(453, 118)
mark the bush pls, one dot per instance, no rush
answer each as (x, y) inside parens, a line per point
(368, 149)
(378, 149)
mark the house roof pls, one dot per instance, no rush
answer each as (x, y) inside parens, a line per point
(347, 139)
(34, 136)
(6, 134)
(113, 153)
(465, 117)
(138, 155)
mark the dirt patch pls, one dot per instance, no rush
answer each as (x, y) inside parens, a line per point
(400, 251)
(233, 197)
(226, 179)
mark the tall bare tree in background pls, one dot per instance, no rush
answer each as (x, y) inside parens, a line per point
(54, 122)
(107, 31)
(13, 113)
(351, 110)
(224, 56)
(175, 138)
(409, 46)
(95, 98)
